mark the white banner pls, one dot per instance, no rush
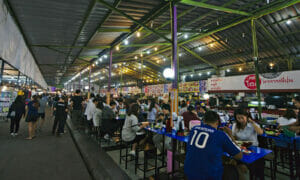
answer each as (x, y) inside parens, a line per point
(14, 50)
(282, 81)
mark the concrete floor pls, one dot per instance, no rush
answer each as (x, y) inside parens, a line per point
(46, 157)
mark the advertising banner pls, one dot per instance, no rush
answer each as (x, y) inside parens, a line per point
(280, 82)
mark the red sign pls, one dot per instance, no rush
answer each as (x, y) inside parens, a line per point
(250, 82)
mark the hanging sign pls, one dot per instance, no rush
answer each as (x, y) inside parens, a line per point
(283, 81)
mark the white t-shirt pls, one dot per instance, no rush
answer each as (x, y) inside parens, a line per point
(282, 121)
(246, 134)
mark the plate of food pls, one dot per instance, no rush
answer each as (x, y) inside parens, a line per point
(272, 132)
(244, 143)
(245, 150)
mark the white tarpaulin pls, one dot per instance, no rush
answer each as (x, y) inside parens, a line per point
(14, 50)
(281, 81)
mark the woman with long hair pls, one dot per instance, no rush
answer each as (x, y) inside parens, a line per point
(32, 116)
(151, 117)
(18, 107)
(245, 128)
(132, 126)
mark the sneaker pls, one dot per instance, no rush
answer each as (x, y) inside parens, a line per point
(16, 134)
(132, 153)
(13, 134)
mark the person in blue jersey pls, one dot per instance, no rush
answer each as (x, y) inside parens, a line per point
(205, 149)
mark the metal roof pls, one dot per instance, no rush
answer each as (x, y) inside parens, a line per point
(66, 36)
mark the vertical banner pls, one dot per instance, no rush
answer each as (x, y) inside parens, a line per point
(174, 103)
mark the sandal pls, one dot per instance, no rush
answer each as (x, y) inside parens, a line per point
(28, 138)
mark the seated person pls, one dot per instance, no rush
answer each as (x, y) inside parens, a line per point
(164, 118)
(244, 128)
(205, 149)
(132, 127)
(189, 115)
(288, 118)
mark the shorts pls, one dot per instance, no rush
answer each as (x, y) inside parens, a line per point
(41, 115)
(31, 118)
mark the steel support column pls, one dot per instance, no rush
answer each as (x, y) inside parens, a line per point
(109, 78)
(255, 58)
(174, 45)
(174, 93)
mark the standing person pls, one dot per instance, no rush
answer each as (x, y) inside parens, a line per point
(76, 104)
(207, 144)
(97, 118)
(89, 110)
(43, 102)
(151, 116)
(18, 107)
(32, 116)
(61, 112)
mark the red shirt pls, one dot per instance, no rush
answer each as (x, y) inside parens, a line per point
(187, 117)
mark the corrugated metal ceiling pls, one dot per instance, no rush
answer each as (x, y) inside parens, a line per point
(76, 23)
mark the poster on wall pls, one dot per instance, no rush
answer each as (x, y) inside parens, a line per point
(281, 81)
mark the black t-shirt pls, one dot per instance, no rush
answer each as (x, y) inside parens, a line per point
(77, 102)
(61, 109)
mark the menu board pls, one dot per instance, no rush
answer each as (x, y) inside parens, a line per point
(189, 87)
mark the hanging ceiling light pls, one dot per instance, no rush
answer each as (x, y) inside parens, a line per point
(186, 36)
(117, 48)
(155, 49)
(288, 22)
(200, 74)
(199, 48)
(135, 57)
(168, 73)
(240, 69)
(138, 34)
(126, 42)
(228, 70)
